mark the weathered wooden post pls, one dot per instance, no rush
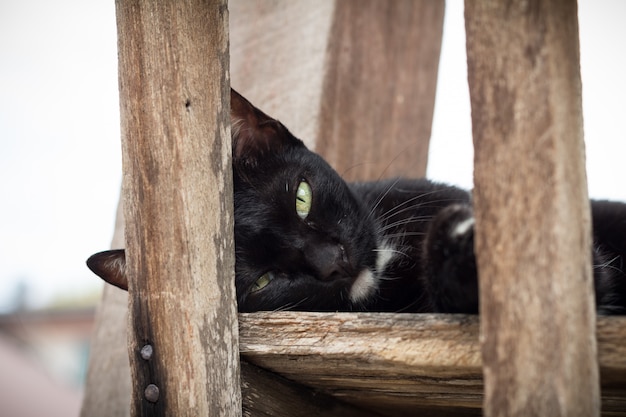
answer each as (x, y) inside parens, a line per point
(107, 384)
(290, 75)
(175, 113)
(532, 213)
(355, 79)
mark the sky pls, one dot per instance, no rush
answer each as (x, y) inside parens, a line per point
(60, 152)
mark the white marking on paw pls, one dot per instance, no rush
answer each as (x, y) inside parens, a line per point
(463, 227)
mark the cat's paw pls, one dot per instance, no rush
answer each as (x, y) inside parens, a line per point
(451, 233)
(450, 264)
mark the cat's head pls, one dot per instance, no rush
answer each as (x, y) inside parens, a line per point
(303, 240)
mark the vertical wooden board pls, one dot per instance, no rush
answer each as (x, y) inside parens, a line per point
(280, 61)
(354, 79)
(533, 238)
(175, 117)
(108, 385)
(379, 87)
(277, 58)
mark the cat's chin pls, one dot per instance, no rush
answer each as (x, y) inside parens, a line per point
(363, 287)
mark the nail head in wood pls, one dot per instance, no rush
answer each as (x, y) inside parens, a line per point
(146, 352)
(151, 393)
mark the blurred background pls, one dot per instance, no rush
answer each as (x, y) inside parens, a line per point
(60, 168)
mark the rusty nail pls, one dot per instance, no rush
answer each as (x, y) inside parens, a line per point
(146, 352)
(151, 393)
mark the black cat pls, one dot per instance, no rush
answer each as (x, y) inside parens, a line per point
(307, 240)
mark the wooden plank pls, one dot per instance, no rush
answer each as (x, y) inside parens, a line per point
(278, 59)
(398, 364)
(277, 51)
(389, 363)
(175, 115)
(107, 384)
(533, 228)
(379, 87)
(345, 76)
(266, 394)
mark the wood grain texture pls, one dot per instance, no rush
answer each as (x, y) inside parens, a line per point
(354, 79)
(400, 364)
(175, 116)
(390, 363)
(269, 395)
(533, 229)
(107, 384)
(379, 87)
(396, 365)
(277, 51)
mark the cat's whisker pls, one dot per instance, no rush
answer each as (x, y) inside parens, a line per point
(381, 198)
(411, 305)
(404, 234)
(386, 217)
(392, 161)
(608, 265)
(289, 306)
(403, 208)
(383, 195)
(388, 279)
(398, 209)
(404, 222)
(396, 251)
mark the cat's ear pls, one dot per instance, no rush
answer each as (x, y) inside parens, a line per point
(255, 134)
(110, 266)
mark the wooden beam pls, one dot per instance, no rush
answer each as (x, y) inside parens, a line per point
(279, 61)
(533, 228)
(394, 364)
(175, 115)
(107, 384)
(379, 87)
(268, 394)
(277, 54)
(354, 79)
(400, 364)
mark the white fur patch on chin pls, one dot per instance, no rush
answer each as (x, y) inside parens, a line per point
(364, 286)
(384, 255)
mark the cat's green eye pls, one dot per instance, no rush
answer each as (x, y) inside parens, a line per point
(262, 282)
(304, 196)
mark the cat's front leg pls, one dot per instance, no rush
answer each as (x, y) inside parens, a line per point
(449, 261)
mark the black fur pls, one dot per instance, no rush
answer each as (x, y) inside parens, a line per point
(395, 245)
(424, 228)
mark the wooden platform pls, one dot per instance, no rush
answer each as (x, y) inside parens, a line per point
(351, 88)
(398, 364)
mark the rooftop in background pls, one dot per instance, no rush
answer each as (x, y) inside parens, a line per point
(43, 355)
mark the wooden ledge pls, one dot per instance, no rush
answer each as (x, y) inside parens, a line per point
(395, 364)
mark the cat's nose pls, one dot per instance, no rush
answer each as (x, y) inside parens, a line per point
(330, 262)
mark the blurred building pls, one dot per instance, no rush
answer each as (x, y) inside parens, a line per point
(43, 357)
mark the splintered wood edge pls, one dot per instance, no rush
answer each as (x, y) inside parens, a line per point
(434, 357)
(410, 341)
